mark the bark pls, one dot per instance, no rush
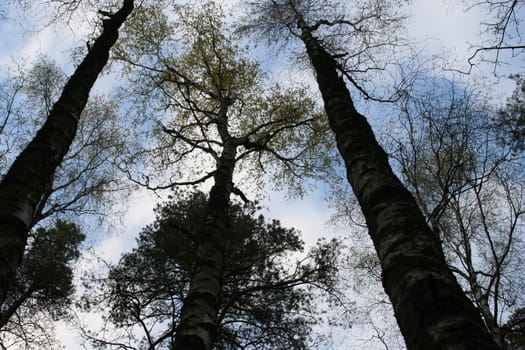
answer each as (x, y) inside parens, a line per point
(431, 309)
(27, 185)
(199, 315)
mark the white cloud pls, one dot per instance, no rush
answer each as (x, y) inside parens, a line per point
(309, 215)
(139, 214)
(443, 25)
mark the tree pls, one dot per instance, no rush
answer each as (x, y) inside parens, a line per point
(510, 120)
(86, 176)
(515, 333)
(268, 302)
(374, 325)
(431, 309)
(42, 287)
(471, 191)
(217, 117)
(26, 186)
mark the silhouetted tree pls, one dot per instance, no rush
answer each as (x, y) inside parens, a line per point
(431, 309)
(268, 301)
(510, 121)
(41, 289)
(216, 118)
(515, 331)
(27, 185)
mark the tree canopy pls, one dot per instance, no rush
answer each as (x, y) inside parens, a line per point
(191, 72)
(201, 97)
(270, 292)
(42, 288)
(510, 120)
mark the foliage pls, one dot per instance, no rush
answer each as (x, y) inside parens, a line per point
(181, 80)
(86, 179)
(268, 301)
(510, 120)
(42, 289)
(362, 37)
(471, 190)
(515, 337)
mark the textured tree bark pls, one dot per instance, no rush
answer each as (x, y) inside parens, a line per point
(25, 188)
(431, 309)
(199, 315)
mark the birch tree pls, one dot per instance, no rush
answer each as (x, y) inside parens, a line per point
(215, 117)
(26, 186)
(86, 179)
(469, 187)
(471, 191)
(431, 309)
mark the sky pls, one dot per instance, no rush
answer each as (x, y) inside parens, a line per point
(436, 26)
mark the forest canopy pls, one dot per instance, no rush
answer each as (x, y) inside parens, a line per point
(326, 174)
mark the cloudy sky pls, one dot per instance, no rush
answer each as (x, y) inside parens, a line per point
(437, 26)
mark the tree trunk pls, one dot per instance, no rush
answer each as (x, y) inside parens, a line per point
(482, 302)
(431, 309)
(199, 315)
(27, 185)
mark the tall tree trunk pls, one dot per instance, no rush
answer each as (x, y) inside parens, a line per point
(27, 185)
(199, 314)
(431, 309)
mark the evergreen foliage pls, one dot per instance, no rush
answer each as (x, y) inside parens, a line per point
(268, 299)
(43, 287)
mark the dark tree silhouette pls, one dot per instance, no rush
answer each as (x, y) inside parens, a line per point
(27, 185)
(42, 287)
(510, 120)
(431, 309)
(515, 330)
(268, 300)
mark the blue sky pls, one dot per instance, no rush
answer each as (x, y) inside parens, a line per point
(437, 26)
